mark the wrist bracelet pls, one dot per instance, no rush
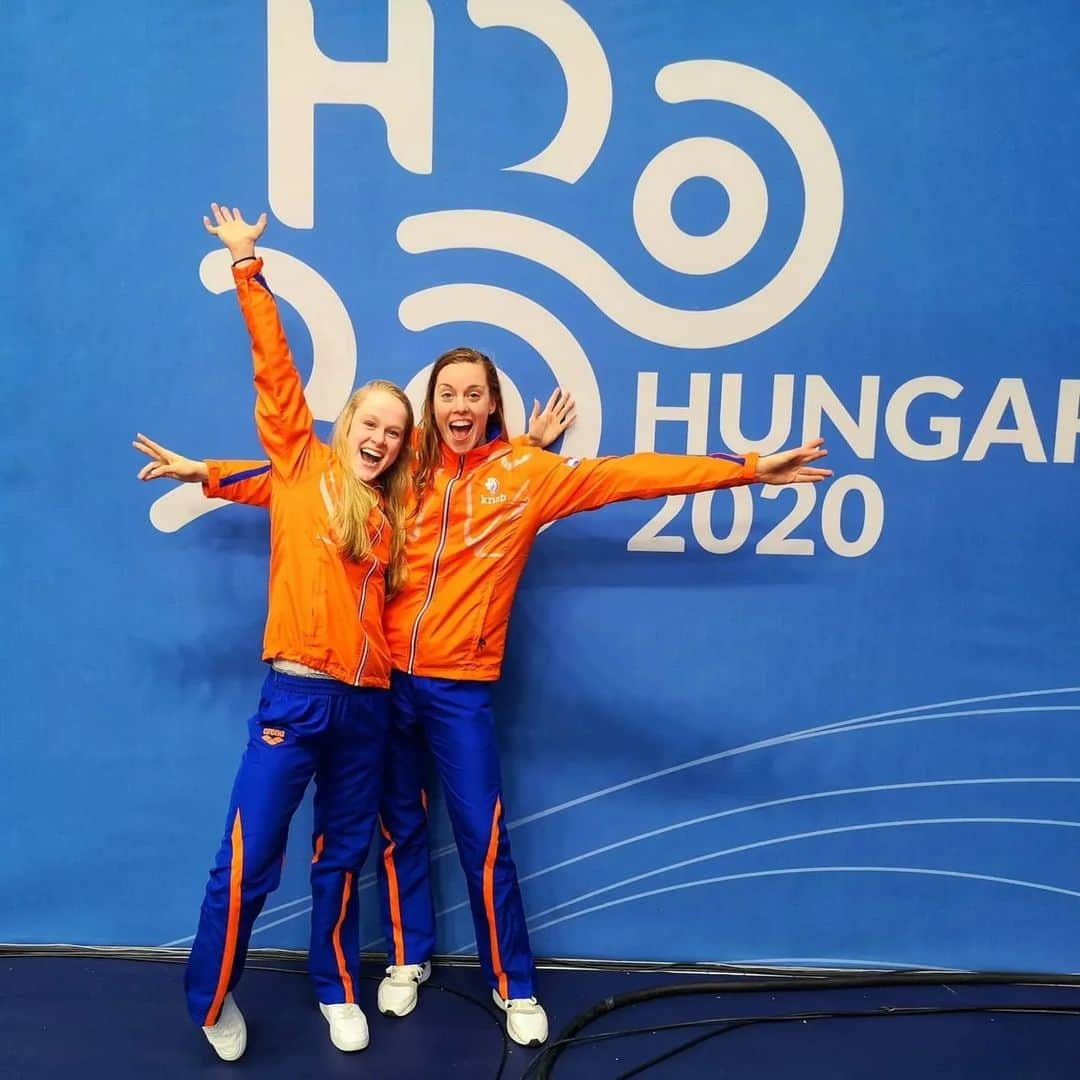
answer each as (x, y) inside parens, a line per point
(245, 258)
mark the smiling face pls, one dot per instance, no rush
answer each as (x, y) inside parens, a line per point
(462, 404)
(376, 433)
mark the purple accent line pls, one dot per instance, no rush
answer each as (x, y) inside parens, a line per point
(262, 281)
(236, 477)
(729, 457)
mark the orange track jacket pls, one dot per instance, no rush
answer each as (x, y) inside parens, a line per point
(325, 611)
(470, 538)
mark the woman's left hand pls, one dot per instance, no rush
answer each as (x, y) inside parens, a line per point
(793, 466)
(234, 232)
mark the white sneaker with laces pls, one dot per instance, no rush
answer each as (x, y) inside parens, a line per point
(348, 1026)
(228, 1036)
(401, 987)
(526, 1021)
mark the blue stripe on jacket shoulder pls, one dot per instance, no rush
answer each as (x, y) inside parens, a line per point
(247, 475)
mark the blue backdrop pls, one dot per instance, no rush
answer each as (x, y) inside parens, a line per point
(833, 726)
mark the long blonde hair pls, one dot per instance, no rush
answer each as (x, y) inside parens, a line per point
(430, 450)
(353, 509)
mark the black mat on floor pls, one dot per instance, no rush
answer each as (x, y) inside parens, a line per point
(83, 1017)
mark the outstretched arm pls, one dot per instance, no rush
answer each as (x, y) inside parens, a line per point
(576, 485)
(238, 481)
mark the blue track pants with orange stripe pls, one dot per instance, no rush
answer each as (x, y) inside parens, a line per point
(304, 728)
(452, 720)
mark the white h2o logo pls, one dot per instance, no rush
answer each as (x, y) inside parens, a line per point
(401, 89)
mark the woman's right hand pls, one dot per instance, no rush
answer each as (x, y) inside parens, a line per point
(558, 414)
(234, 232)
(166, 464)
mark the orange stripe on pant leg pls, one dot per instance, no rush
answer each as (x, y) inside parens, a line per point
(343, 971)
(232, 925)
(395, 896)
(489, 900)
(318, 849)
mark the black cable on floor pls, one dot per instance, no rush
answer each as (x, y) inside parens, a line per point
(730, 1024)
(764, 980)
(487, 1012)
(544, 1063)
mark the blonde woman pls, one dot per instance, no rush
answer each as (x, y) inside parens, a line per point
(337, 530)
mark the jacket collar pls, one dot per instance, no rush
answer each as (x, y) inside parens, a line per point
(496, 445)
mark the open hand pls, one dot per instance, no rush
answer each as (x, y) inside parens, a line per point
(166, 464)
(559, 413)
(234, 232)
(793, 466)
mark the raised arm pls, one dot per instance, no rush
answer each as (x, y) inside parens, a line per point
(282, 417)
(586, 484)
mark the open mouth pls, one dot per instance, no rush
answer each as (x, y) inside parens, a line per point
(369, 457)
(460, 428)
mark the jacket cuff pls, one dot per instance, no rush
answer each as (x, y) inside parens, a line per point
(211, 485)
(247, 270)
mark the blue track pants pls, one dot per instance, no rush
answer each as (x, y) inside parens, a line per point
(452, 720)
(304, 728)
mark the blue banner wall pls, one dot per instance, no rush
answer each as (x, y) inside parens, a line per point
(819, 726)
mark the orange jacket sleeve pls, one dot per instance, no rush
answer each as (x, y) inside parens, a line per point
(576, 484)
(239, 481)
(282, 416)
(249, 482)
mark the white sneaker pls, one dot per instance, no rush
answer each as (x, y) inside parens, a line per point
(229, 1035)
(401, 987)
(526, 1021)
(348, 1026)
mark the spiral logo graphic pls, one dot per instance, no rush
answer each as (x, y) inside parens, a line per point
(573, 260)
(567, 158)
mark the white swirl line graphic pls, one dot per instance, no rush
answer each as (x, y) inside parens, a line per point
(287, 918)
(585, 69)
(868, 826)
(749, 807)
(777, 840)
(844, 728)
(845, 962)
(572, 259)
(262, 915)
(918, 870)
(839, 727)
